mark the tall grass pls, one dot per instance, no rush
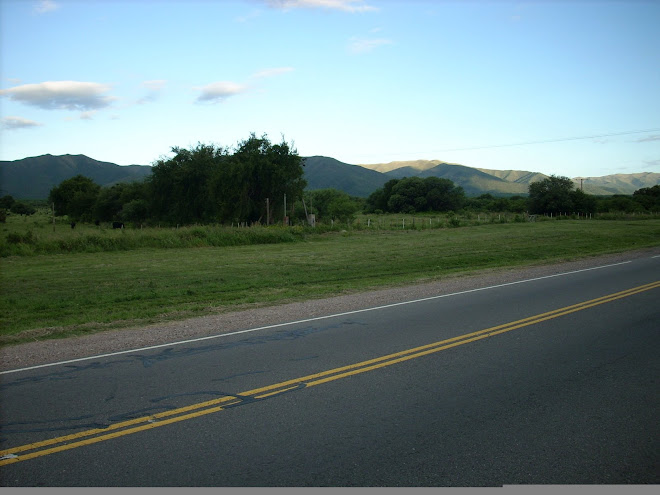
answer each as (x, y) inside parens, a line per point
(38, 235)
(67, 293)
(36, 238)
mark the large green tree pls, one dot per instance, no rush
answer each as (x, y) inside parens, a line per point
(648, 197)
(75, 197)
(259, 174)
(210, 184)
(556, 195)
(413, 194)
(111, 203)
(180, 187)
(331, 204)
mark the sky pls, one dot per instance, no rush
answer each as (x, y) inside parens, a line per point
(560, 87)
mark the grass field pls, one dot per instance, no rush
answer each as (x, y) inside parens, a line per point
(56, 295)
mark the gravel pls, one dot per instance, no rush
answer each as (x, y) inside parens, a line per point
(51, 351)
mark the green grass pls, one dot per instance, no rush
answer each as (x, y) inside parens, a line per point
(56, 295)
(36, 235)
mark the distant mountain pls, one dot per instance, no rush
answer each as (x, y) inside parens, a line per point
(419, 165)
(474, 181)
(517, 176)
(33, 178)
(322, 172)
(617, 184)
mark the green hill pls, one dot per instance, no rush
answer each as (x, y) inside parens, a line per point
(517, 176)
(618, 183)
(34, 177)
(473, 181)
(322, 172)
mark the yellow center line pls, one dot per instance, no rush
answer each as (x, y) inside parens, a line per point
(128, 427)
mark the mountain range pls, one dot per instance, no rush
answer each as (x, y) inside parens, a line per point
(34, 177)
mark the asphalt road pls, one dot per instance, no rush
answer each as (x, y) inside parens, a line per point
(547, 381)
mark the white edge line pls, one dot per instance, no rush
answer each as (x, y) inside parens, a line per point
(277, 325)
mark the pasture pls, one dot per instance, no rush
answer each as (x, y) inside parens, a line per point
(62, 281)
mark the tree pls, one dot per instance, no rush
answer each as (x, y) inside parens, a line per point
(258, 171)
(333, 204)
(21, 208)
(136, 210)
(377, 200)
(408, 196)
(552, 195)
(413, 194)
(517, 204)
(75, 197)
(443, 194)
(6, 202)
(108, 203)
(209, 184)
(620, 203)
(648, 197)
(583, 203)
(180, 187)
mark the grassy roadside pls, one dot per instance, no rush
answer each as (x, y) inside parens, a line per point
(49, 296)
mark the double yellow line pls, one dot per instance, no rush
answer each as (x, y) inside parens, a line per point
(88, 437)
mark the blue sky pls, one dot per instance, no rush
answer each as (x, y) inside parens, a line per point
(562, 87)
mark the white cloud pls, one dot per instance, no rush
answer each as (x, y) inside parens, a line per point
(12, 123)
(155, 85)
(272, 72)
(253, 14)
(154, 88)
(366, 45)
(344, 5)
(219, 91)
(655, 137)
(61, 95)
(45, 6)
(87, 115)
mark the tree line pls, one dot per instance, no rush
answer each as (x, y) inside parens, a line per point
(552, 196)
(202, 184)
(262, 182)
(256, 182)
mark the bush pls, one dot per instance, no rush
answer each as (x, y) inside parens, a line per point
(15, 238)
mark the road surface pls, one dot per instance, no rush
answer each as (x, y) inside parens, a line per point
(545, 381)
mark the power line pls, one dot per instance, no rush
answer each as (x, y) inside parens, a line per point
(556, 140)
(525, 143)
